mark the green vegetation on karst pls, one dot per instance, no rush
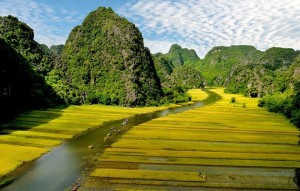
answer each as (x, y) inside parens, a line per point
(57, 49)
(104, 61)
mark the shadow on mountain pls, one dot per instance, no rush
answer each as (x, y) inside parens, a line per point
(21, 87)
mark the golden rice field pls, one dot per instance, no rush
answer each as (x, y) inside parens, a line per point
(234, 145)
(35, 133)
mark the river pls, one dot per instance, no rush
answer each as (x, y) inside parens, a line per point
(59, 169)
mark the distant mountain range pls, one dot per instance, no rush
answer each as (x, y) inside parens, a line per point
(244, 69)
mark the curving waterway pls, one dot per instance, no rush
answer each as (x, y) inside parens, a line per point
(60, 168)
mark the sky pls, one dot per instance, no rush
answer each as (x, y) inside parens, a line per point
(193, 24)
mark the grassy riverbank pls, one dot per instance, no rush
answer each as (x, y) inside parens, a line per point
(236, 144)
(35, 133)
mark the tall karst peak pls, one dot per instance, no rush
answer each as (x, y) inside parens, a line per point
(106, 61)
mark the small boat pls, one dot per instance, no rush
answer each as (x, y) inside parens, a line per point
(125, 122)
(75, 187)
(232, 176)
(91, 146)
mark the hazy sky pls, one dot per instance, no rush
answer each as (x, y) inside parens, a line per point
(197, 24)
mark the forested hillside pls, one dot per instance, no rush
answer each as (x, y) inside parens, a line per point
(178, 56)
(244, 69)
(21, 87)
(24, 64)
(176, 72)
(57, 49)
(176, 68)
(219, 61)
(104, 61)
(21, 38)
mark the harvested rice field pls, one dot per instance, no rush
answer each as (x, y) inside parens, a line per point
(220, 146)
(35, 133)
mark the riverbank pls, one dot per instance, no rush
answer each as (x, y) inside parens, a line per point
(35, 133)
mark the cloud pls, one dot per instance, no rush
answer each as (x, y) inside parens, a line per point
(195, 24)
(51, 25)
(158, 45)
(204, 24)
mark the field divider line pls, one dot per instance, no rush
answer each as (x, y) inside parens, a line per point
(184, 186)
(202, 157)
(208, 141)
(215, 162)
(189, 127)
(27, 144)
(209, 150)
(148, 174)
(196, 130)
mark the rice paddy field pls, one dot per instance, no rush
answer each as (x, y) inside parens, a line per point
(35, 133)
(220, 146)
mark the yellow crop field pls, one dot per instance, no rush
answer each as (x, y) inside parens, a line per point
(19, 140)
(39, 134)
(181, 145)
(43, 130)
(212, 160)
(118, 152)
(197, 95)
(206, 134)
(240, 138)
(14, 155)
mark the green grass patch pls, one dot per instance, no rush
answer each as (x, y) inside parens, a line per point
(5, 182)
